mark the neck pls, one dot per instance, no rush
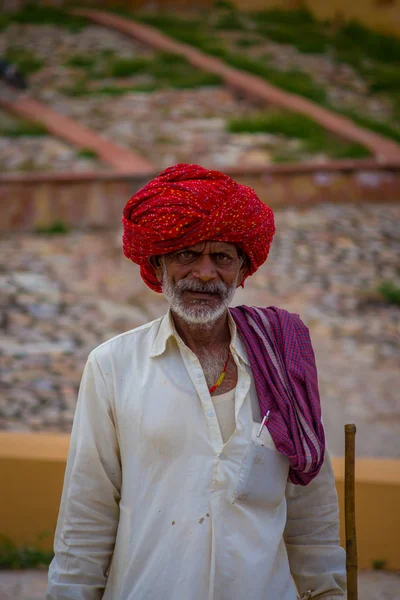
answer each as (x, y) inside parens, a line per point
(197, 337)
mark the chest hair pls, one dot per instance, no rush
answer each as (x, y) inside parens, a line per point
(212, 363)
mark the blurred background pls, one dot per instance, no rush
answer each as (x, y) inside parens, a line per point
(299, 100)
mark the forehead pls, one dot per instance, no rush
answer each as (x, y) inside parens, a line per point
(212, 246)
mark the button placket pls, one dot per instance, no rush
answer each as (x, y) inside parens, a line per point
(197, 376)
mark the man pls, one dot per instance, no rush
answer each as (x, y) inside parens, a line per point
(196, 469)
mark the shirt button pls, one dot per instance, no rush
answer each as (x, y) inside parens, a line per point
(210, 413)
(198, 374)
(222, 456)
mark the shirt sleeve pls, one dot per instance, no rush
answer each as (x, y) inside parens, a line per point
(317, 561)
(89, 511)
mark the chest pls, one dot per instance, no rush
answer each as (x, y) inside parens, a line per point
(168, 428)
(230, 379)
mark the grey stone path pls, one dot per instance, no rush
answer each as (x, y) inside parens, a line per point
(31, 585)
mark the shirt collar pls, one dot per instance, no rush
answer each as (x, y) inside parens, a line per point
(236, 341)
(167, 329)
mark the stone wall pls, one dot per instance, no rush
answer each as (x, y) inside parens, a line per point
(29, 201)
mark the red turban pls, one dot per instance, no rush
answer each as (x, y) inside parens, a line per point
(187, 204)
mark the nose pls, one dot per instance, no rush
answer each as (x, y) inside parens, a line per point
(204, 268)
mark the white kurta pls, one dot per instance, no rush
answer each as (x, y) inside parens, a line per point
(156, 507)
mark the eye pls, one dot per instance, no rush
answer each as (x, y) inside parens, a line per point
(185, 256)
(222, 257)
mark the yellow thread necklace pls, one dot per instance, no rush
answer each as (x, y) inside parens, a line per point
(221, 377)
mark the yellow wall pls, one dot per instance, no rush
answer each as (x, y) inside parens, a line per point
(377, 514)
(32, 470)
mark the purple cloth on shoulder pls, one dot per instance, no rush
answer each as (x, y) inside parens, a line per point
(283, 365)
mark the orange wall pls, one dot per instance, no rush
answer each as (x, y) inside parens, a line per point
(32, 471)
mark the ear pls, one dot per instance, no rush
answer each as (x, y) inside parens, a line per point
(157, 265)
(242, 272)
(244, 267)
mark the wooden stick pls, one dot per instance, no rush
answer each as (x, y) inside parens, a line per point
(350, 512)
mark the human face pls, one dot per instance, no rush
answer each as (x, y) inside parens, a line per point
(200, 281)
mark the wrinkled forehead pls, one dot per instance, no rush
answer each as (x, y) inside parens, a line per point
(212, 246)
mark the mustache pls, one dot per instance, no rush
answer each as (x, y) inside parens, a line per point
(206, 287)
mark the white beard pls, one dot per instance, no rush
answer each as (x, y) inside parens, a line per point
(198, 312)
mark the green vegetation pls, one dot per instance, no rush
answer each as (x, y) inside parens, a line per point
(293, 81)
(390, 292)
(350, 150)
(378, 126)
(351, 42)
(21, 128)
(224, 4)
(293, 125)
(198, 34)
(81, 60)
(22, 557)
(26, 62)
(373, 55)
(284, 123)
(86, 153)
(357, 39)
(385, 78)
(295, 27)
(379, 564)
(247, 42)
(164, 69)
(124, 67)
(79, 88)
(43, 15)
(230, 21)
(56, 228)
(189, 31)
(107, 52)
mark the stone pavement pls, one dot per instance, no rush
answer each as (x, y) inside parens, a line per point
(31, 585)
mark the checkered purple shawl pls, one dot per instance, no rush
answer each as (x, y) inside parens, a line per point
(283, 365)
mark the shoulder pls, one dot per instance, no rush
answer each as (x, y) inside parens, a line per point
(293, 337)
(279, 318)
(290, 332)
(127, 344)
